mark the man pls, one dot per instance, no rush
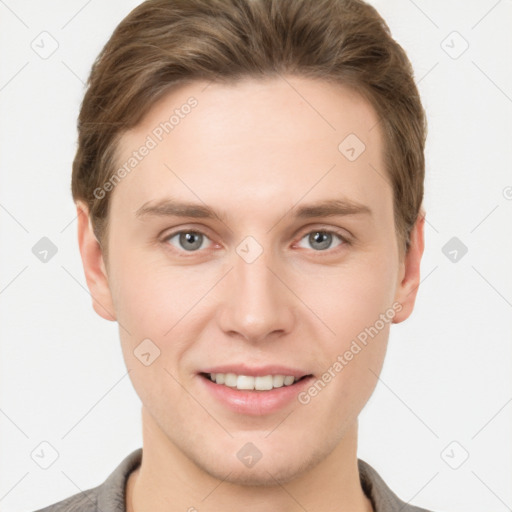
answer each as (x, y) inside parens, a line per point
(249, 185)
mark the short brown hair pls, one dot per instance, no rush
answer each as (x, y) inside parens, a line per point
(162, 43)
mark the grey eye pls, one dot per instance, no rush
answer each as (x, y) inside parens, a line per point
(320, 240)
(188, 240)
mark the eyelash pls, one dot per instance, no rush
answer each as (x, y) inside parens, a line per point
(344, 239)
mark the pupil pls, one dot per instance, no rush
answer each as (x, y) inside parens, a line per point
(322, 238)
(193, 240)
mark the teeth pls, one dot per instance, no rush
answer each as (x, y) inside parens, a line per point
(263, 383)
(278, 381)
(246, 382)
(230, 379)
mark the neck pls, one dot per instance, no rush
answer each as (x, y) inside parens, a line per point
(167, 479)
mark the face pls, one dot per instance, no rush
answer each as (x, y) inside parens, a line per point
(246, 242)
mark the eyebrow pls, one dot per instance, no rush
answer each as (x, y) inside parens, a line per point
(173, 208)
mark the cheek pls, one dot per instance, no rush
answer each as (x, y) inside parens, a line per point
(355, 302)
(350, 370)
(158, 303)
(146, 294)
(154, 311)
(351, 297)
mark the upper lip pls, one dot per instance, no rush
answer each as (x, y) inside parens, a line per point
(257, 371)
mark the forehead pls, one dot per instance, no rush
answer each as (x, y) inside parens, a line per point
(266, 139)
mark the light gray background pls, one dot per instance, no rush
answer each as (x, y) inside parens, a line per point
(447, 376)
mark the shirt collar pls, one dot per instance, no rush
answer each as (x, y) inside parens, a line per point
(112, 493)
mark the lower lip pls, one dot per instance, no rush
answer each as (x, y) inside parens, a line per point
(255, 403)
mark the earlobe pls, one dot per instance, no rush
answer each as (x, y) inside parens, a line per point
(94, 267)
(407, 288)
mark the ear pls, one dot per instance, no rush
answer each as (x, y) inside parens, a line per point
(409, 275)
(94, 266)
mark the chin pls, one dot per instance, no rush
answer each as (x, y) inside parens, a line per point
(261, 476)
(270, 470)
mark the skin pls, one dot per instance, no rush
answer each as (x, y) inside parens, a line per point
(255, 151)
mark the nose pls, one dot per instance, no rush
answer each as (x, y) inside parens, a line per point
(257, 305)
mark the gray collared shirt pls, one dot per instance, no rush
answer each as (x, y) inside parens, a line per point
(110, 495)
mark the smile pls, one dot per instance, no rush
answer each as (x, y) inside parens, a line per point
(248, 382)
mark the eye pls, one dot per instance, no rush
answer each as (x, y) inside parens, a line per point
(193, 241)
(321, 239)
(190, 241)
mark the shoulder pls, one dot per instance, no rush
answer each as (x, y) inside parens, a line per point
(106, 497)
(85, 501)
(382, 497)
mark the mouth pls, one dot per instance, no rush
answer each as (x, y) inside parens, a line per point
(263, 383)
(254, 391)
